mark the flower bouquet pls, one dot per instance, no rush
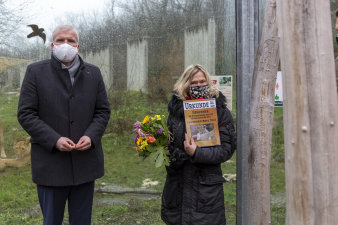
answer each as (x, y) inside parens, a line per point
(152, 139)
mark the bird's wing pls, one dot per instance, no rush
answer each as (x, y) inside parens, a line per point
(31, 35)
(34, 27)
(43, 36)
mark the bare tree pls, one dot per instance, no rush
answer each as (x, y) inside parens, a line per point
(261, 118)
(10, 21)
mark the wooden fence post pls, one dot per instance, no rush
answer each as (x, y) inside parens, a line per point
(261, 119)
(310, 112)
(2, 142)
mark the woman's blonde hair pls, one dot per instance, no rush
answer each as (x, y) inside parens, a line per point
(181, 88)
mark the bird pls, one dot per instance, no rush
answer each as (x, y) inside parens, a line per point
(37, 32)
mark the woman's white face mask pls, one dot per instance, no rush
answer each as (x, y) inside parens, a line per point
(65, 52)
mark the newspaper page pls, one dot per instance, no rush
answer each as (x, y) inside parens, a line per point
(224, 85)
(201, 121)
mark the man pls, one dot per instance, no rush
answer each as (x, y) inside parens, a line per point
(63, 106)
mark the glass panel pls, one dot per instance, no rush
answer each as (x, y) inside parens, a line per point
(141, 48)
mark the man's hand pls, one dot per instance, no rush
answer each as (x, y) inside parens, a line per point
(84, 143)
(189, 145)
(65, 144)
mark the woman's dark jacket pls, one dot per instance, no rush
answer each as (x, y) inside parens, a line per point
(193, 192)
(51, 107)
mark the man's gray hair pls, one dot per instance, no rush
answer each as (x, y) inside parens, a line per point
(66, 28)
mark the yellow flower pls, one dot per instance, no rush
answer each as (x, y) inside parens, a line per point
(139, 139)
(145, 120)
(157, 117)
(144, 144)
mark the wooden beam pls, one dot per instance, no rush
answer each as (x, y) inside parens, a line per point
(310, 112)
(2, 142)
(261, 119)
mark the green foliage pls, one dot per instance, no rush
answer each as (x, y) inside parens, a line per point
(278, 136)
(17, 197)
(12, 129)
(278, 215)
(160, 156)
(124, 167)
(128, 107)
(135, 212)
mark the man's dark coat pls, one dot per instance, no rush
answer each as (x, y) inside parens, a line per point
(51, 107)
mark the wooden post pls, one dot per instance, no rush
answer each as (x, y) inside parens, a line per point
(310, 112)
(336, 62)
(2, 142)
(261, 119)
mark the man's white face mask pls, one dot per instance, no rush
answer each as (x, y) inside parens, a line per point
(65, 52)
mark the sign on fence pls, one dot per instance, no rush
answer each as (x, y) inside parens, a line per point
(224, 85)
(279, 90)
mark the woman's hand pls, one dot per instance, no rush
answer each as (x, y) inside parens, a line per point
(189, 145)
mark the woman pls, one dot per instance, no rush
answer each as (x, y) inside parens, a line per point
(193, 191)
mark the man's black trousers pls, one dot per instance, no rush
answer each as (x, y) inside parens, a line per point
(53, 200)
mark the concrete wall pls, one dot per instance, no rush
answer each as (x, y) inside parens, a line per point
(15, 75)
(229, 37)
(199, 46)
(102, 59)
(137, 65)
(22, 71)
